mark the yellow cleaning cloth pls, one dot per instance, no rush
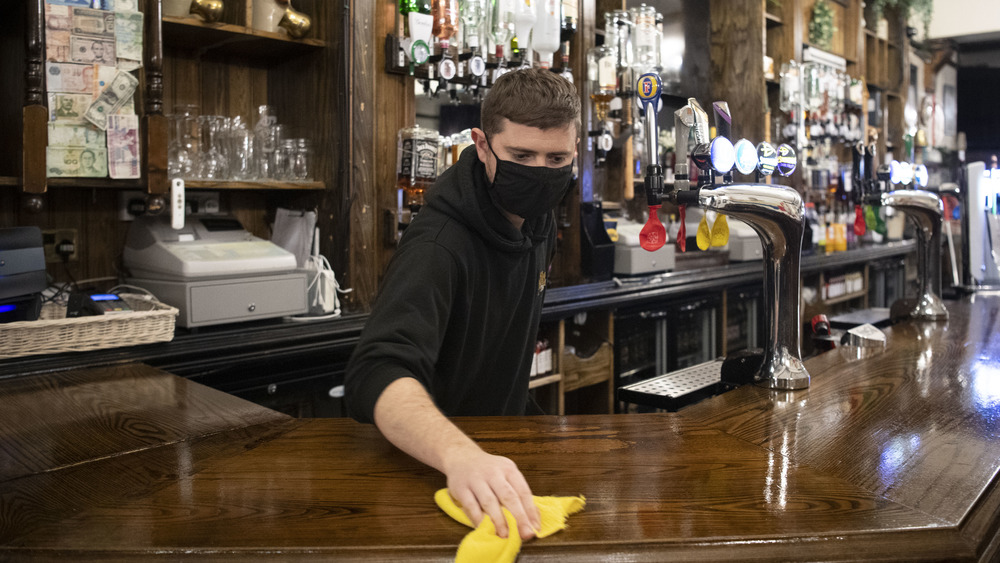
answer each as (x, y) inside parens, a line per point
(484, 545)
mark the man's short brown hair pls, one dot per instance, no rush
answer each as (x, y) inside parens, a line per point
(534, 97)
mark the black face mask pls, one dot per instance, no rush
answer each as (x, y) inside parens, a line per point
(528, 191)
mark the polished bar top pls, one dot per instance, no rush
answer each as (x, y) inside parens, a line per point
(892, 457)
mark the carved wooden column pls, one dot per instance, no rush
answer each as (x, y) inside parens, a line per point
(154, 121)
(35, 114)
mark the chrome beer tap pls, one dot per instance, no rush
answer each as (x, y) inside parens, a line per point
(927, 212)
(776, 214)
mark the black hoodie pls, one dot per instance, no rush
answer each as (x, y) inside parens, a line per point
(459, 306)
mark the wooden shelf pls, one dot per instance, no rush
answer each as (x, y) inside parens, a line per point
(845, 297)
(10, 181)
(95, 183)
(772, 20)
(248, 185)
(544, 380)
(227, 38)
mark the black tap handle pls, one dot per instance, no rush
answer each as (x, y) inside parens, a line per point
(869, 171)
(653, 183)
(858, 173)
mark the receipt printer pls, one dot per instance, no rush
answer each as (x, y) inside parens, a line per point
(213, 270)
(22, 274)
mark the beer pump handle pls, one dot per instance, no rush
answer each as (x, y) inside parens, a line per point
(683, 122)
(723, 120)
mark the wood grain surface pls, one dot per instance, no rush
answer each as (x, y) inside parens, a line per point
(893, 457)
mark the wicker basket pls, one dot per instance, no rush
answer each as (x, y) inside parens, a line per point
(53, 333)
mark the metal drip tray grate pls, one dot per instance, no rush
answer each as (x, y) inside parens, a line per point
(675, 389)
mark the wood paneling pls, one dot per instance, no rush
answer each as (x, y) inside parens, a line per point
(737, 65)
(380, 105)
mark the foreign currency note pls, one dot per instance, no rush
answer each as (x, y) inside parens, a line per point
(94, 22)
(72, 135)
(58, 22)
(58, 18)
(128, 108)
(111, 99)
(92, 50)
(126, 5)
(103, 75)
(68, 77)
(128, 35)
(70, 108)
(72, 162)
(57, 47)
(123, 146)
(80, 3)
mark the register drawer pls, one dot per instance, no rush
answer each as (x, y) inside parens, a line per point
(212, 302)
(259, 299)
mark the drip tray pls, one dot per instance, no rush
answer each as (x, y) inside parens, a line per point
(676, 389)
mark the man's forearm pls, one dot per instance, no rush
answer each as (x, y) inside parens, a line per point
(480, 482)
(407, 417)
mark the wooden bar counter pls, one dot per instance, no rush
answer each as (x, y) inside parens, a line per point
(892, 457)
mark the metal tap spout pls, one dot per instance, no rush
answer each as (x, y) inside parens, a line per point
(776, 214)
(927, 212)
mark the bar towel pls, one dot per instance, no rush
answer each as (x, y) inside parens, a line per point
(482, 544)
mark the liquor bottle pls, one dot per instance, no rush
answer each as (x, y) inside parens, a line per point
(471, 13)
(524, 21)
(501, 25)
(445, 14)
(414, 6)
(602, 74)
(570, 13)
(646, 39)
(416, 163)
(545, 34)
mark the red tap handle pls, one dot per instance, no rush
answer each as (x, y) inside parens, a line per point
(859, 221)
(682, 231)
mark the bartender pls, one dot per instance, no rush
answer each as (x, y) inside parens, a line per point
(453, 329)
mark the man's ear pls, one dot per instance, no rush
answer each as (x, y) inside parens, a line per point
(482, 147)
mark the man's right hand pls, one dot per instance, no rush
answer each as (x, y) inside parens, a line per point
(480, 482)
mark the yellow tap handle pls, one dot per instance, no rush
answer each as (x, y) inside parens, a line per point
(720, 231)
(703, 237)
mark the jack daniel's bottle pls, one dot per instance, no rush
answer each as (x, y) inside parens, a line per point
(416, 163)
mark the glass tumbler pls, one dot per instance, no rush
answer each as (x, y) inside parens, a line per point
(302, 161)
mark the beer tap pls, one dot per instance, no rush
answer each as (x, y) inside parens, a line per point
(653, 235)
(723, 128)
(776, 214)
(926, 210)
(701, 155)
(858, 193)
(683, 122)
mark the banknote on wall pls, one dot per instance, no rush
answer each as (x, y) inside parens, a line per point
(92, 50)
(69, 108)
(70, 78)
(72, 135)
(96, 23)
(123, 146)
(78, 3)
(128, 36)
(111, 99)
(76, 162)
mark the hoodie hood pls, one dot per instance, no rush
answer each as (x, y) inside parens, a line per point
(461, 194)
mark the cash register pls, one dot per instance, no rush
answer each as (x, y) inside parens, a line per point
(213, 271)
